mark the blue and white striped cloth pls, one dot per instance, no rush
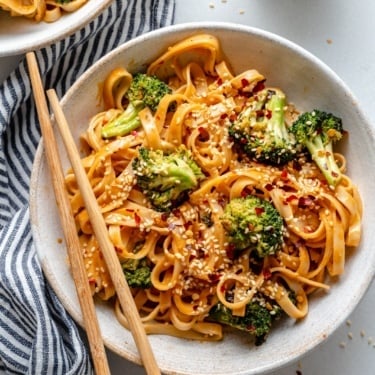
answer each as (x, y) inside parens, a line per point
(37, 336)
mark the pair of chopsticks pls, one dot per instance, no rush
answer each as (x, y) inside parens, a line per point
(97, 221)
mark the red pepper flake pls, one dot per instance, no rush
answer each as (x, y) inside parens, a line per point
(284, 174)
(224, 116)
(134, 133)
(223, 288)
(291, 197)
(137, 218)
(288, 188)
(259, 113)
(204, 136)
(233, 117)
(245, 192)
(259, 210)
(269, 187)
(259, 86)
(187, 225)
(219, 81)
(129, 210)
(267, 274)
(244, 82)
(268, 114)
(164, 216)
(230, 250)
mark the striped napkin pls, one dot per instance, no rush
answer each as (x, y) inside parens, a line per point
(37, 336)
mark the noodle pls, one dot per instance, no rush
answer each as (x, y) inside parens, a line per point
(41, 10)
(192, 263)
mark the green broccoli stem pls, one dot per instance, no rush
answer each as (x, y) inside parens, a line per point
(123, 124)
(324, 158)
(276, 123)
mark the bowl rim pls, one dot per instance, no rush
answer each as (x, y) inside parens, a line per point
(68, 24)
(260, 33)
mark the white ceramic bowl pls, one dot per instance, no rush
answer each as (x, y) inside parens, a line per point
(309, 84)
(19, 34)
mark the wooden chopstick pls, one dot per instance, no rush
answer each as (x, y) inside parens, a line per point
(69, 228)
(99, 227)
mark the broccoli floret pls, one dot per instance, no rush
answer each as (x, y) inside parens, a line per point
(261, 131)
(144, 91)
(137, 273)
(318, 131)
(253, 222)
(257, 320)
(166, 178)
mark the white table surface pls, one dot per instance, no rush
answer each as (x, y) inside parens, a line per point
(340, 33)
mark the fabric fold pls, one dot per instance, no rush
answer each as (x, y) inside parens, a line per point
(37, 335)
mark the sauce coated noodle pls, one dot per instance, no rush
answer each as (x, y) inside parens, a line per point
(40, 10)
(192, 266)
